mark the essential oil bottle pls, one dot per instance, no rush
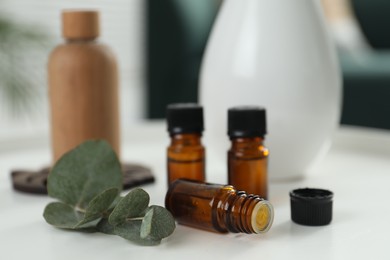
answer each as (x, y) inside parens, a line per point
(218, 208)
(185, 154)
(248, 157)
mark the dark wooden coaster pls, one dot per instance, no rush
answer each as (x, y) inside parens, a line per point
(135, 175)
(35, 181)
(30, 181)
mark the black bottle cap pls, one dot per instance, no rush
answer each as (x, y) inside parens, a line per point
(311, 207)
(247, 121)
(184, 118)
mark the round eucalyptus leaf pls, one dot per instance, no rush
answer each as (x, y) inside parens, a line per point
(84, 172)
(62, 215)
(99, 205)
(104, 227)
(131, 231)
(133, 205)
(158, 223)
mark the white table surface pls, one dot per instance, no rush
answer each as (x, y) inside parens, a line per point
(357, 170)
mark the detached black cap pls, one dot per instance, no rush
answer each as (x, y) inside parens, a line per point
(247, 121)
(311, 207)
(185, 118)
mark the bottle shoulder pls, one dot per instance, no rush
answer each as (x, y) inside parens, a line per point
(249, 151)
(82, 51)
(186, 140)
(179, 151)
(248, 144)
(186, 149)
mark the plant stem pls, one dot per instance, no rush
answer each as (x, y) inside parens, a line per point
(80, 210)
(137, 218)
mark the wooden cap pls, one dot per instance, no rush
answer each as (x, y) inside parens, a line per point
(80, 24)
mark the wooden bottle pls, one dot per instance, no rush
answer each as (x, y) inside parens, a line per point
(83, 86)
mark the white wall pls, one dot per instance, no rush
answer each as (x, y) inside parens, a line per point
(122, 27)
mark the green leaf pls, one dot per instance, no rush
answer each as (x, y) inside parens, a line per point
(158, 223)
(61, 215)
(115, 203)
(88, 181)
(105, 227)
(99, 205)
(131, 231)
(133, 205)
(84, 172)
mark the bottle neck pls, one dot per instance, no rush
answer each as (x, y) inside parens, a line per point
(80, 40)
(240, 212)
(244, 142)
(186, 139)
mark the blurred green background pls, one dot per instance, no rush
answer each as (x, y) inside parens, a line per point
(177, 34)
(173, 37)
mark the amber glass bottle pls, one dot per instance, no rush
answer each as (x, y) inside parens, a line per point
(218, 208)
(248, 157)
(185, 154)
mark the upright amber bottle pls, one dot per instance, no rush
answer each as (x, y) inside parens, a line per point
(185, 154)
(248, 157)
(218, 208)
(83, 86)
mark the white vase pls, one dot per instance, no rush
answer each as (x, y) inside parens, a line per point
(275, 54)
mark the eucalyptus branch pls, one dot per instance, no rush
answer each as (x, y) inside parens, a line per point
(94, 167)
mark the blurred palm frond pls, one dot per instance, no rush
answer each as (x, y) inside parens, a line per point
(21, 49)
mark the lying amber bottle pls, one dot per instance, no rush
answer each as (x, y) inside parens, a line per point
(248, 157)
(185, 154)
(218, 208)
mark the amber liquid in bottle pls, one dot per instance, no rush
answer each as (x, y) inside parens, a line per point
(248, 164)
(186, 157)
(218, 208)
